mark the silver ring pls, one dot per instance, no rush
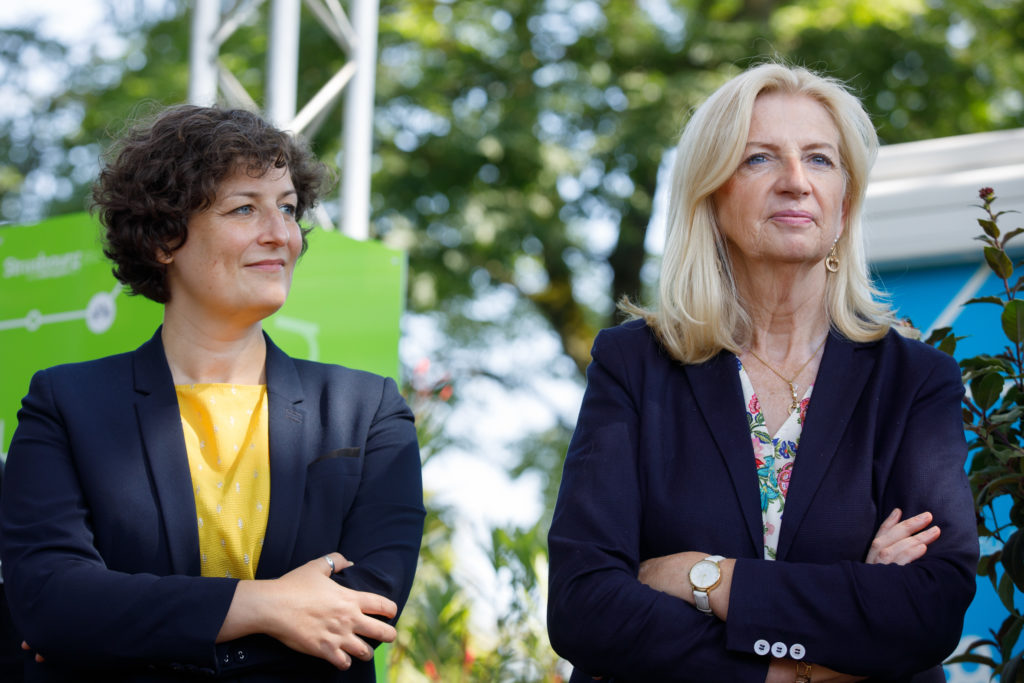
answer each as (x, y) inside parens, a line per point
(330, 563)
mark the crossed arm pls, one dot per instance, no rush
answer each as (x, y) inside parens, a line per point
(311, 614)
(307, 612)
(896, 542)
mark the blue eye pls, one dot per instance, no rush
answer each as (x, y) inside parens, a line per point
(755, 159)
(288, 209)
(822, 160)
(243, 210)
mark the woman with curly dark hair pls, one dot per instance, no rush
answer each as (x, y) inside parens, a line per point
(206, 506)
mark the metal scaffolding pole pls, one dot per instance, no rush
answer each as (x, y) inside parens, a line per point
(283, 61)
(358, 135)
(202, 53)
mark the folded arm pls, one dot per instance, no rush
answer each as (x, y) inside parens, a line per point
(897, 541)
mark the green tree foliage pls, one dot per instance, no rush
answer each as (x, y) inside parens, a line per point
(59, 102)
(506, 131)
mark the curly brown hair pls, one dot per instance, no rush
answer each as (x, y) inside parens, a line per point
(161, 172)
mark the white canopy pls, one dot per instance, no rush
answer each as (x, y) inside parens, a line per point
(922, 196)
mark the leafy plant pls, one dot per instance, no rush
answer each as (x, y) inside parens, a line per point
(992, 412)
(436, 639)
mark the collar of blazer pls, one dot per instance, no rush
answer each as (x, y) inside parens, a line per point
(160, 426)
(842, 375)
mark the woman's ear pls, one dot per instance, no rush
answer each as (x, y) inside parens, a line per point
(164, 257)
(845, 217)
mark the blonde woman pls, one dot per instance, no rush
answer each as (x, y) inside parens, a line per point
(766, 480)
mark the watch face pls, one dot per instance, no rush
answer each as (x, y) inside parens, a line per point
(704, 574)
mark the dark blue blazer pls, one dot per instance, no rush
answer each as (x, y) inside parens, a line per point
(661, 462)
(98, 529)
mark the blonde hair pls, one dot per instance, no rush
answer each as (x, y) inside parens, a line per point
(699, 311)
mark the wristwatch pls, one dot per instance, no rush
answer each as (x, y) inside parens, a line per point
(704, 577)
(803, 673)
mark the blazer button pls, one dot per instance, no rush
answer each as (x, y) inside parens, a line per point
(226, 659)
(762, 647)
(240, 655)
(779, 649)
(797, 651)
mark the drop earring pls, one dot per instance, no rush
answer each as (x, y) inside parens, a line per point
(832, 260)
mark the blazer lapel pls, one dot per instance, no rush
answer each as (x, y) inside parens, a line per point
(288, 460)
(163, 440)
(842, 375)
(716, 386)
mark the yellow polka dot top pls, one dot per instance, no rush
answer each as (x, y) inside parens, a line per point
(229, 457)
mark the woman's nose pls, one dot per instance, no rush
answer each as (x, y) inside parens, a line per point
(275, 228)
(794, 178)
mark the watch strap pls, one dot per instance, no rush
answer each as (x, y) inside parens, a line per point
(702, 599)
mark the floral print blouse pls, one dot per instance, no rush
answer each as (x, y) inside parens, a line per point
(774, 457)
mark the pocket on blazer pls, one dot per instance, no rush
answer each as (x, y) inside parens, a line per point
(353, 452)
(341, 460)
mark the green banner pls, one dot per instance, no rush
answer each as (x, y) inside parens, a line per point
(59, 303)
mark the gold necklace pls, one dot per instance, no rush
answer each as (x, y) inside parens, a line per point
(795, 405)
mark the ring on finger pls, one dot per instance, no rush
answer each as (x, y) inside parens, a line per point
(330, 563)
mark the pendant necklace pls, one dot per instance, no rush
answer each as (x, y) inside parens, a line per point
(795, 405)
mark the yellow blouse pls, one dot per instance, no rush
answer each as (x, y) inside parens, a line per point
(226, 437)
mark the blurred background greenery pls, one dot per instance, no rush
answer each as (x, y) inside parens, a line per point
(517, 150)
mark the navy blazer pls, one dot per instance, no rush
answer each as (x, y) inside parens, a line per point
(98, 530)
(661, 462)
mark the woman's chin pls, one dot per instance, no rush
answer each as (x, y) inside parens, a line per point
(270, 308)
(258, 311)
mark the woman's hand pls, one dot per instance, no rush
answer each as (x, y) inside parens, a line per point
(903, 542)
(310, 613)
(784, 671)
